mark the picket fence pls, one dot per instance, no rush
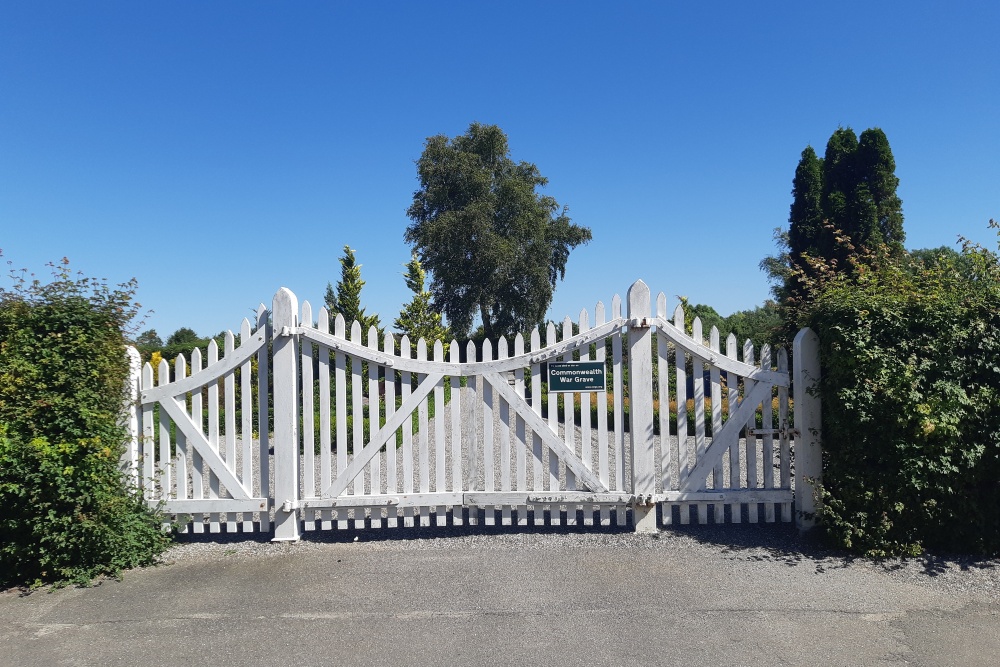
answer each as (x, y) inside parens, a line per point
(303, 426)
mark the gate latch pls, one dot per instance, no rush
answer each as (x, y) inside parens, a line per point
(783, 432)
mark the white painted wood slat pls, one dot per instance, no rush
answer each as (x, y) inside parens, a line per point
(440, 449)
(213, 432)
(505, 452)
(520, 435)
(372, 412)
(619, 398)
(785, 472)
(698, 381)
(230, 421)
(246, 422)
(423, 448)
(455, 412)
(340, 377)
(391, 470)
(537, 464)
(684, 454)
(767, 447)
(197, 462)
(735, 470)
(406, 387)
(325, 424)
(603, 469)
(181, 465)
(357, 414)
(751, 440)
(263, 334)
(308, 486)
(716, 400)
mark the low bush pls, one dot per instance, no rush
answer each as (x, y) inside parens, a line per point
(67, 517)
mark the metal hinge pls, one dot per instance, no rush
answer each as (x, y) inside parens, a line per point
(641, 500)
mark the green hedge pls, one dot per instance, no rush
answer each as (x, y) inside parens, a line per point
(67, 512)
(911, 388)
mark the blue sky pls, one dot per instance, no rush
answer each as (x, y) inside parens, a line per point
(217, 151)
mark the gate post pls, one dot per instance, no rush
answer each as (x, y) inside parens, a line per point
(808, 425)
(286, 423)
(130, 418)
(640, 391)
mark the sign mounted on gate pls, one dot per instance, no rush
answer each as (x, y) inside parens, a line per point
(570, 376)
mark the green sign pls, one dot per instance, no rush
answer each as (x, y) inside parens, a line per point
(570, 376)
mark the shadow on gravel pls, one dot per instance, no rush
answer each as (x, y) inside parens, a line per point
(775, 542)
(783, 543)
(409, 533)
(937, 564)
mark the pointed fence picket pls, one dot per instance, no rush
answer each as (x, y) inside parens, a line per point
(385, 432)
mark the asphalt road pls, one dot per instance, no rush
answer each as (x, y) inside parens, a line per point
(728, 596)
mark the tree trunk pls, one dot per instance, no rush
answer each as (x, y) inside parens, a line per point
(487, 324)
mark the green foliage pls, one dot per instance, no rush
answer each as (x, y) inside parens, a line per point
(183, 341)
(147, 343)
(67, 517)
(762, 325)
(418, 319)
(494, 246)
(62, 360)
(910, 354)
(346, 300)
(709, 316)
(63, 372)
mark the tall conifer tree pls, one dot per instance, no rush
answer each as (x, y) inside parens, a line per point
(347, 298)
(853, 190)
(877, 168)
(842, 204)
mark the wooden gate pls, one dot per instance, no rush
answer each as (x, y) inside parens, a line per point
(199, 456)
(380, 432)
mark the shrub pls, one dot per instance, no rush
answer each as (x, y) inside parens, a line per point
(67, 511)
(911, 380)
(67, 517)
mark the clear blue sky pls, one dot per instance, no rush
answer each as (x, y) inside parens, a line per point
(217, 151)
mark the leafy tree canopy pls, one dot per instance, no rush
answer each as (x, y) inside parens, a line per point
(494, 246)
(150, 339)
(183, 341)
(183, 336)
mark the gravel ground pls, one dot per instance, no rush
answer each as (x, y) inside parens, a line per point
(758, 542)
(775, 543)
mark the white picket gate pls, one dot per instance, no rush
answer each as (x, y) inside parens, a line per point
(386, 434)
